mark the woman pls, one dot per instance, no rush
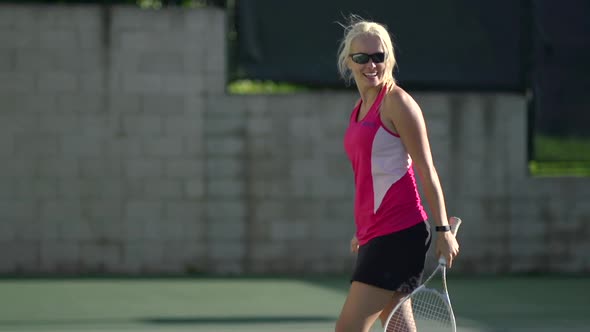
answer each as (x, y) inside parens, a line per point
(385, 140)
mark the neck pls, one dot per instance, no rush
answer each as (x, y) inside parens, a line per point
(369, 94)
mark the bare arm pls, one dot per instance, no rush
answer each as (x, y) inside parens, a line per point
(406, 117)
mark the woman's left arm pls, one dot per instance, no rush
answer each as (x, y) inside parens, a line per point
(406, 116)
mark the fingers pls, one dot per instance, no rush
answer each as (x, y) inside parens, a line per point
(448, 254)
(450, 261)
(451, 256)
(354, 245)
(448, 248)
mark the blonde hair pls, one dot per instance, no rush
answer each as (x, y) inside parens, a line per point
(357, 27)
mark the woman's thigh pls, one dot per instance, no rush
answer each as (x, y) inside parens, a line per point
(362, 307)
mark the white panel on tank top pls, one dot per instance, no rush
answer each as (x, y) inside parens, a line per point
(389, 163)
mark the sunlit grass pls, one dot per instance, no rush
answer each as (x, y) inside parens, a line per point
(244, 87)
(547, 168)
(560, 156)
(157, 4)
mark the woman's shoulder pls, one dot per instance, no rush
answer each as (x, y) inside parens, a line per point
(397, 99)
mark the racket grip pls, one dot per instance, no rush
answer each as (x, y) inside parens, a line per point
(455, 222)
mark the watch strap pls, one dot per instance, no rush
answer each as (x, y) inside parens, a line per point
(445, 228)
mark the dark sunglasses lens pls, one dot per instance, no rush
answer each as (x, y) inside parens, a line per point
(360, 58)
(378, 57)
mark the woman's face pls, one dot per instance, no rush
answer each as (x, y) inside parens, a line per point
(371, 69)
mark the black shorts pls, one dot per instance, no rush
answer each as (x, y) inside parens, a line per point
(394, 261)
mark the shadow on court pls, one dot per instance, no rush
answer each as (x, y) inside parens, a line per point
(196, 320)
(240, 320)
(483, 304)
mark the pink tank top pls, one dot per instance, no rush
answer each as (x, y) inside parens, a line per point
(386, 197)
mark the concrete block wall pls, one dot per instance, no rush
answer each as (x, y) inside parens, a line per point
(120, 152)
(514, 222)
(101, 119)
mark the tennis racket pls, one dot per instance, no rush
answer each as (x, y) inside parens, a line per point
(428, 307)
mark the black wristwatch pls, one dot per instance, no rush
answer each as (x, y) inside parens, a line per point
(445, 228)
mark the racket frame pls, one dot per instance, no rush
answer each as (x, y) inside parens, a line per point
(455, 222)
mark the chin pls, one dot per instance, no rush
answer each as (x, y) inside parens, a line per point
(364, 82)
(372, 83)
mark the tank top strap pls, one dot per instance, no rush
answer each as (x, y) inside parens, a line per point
(355, 111)
(374, 111)
(380, 97)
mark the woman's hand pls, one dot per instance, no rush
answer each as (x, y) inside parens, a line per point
(447, 247)
(354, 245)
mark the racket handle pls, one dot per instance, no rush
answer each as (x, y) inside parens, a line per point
(455, 222)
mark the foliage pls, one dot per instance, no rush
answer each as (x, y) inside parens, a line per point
(560, 156)
(549, 148)
(157, 4)
(553, 169)
(244, 87)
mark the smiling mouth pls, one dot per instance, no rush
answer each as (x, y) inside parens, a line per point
(370, 75)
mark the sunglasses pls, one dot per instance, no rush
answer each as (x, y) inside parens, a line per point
(362, 58)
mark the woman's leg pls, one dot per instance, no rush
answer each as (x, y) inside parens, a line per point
(362, 307)
(395, 299)
(403, 319)
(365, 303)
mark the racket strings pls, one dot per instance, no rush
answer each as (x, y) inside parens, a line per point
(426, 311)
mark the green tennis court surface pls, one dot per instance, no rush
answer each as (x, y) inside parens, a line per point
(272, 304)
